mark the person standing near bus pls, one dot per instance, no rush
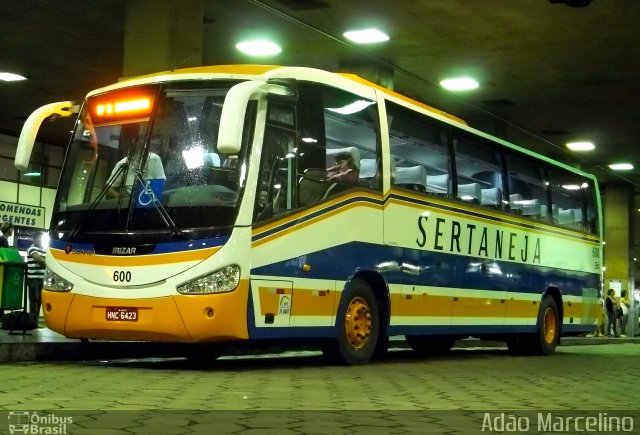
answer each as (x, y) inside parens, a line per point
(624, 305)
(612, 306)
(35, 276)
(7, 231)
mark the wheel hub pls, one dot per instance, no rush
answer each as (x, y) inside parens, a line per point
(550, 326)
(358, 323)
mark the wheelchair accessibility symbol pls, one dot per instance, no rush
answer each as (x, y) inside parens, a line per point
(147, 195)
(149, 192)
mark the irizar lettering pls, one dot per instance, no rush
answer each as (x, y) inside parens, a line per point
(449, 235)
(123, 251)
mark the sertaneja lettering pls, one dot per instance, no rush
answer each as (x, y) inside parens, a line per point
(481, 240)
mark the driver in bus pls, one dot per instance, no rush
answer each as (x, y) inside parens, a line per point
(154, 170)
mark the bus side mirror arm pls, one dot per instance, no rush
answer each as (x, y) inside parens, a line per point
(32, 125)
(235, 107)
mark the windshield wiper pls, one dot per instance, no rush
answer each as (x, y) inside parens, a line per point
(76, 229)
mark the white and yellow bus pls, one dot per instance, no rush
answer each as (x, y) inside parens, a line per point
(231, 203)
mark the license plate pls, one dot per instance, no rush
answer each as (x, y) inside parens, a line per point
(128, 314)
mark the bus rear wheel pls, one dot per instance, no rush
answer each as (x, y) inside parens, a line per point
(358, 326)
(548, 334)
(430, 345)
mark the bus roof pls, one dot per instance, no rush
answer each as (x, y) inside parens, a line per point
(250, 71)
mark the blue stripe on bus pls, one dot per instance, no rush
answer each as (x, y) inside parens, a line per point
(160, 248)
(577, 328)
(436, 269)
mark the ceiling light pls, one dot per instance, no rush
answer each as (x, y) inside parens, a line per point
(581, 146)
(259, 47)
(10, 77)
(366, 36)
(571, 186)
(621, 166)
(459, 84)
(32, 174)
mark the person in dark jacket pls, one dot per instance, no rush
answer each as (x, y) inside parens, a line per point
(612, 307)
(7, 231)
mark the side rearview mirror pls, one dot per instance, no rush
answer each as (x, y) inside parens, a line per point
(235, 107)
(32, 125)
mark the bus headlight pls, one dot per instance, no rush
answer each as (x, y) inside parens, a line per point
(221, 281)
(55, 283)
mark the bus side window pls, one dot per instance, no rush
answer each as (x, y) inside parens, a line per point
(591, 206)
(568, 193)
(334, 143)
(275, 193)
(478, 171)
(527, 189)
(419, 151)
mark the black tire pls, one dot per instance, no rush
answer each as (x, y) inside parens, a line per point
(430, 344)
(357, 325)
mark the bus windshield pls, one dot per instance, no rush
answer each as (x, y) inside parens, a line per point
(147, 156)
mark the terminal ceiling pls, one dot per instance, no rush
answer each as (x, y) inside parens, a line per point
(548, 73)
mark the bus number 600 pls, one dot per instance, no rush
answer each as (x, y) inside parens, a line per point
(121, 276)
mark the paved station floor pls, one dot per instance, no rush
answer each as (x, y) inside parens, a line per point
(472, 390)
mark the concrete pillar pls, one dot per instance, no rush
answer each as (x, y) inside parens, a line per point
(162, 35)
(619, 237)
(373, 72)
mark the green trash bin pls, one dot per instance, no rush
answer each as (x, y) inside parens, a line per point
(12, 271)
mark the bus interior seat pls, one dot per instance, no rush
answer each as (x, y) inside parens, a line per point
(438, 183)
(515, 202)
(413, 177)
(577, 212)
(212, 160)
(566, 216)
(532, 208)
(367, 168)
(491, 196)
(470, 192)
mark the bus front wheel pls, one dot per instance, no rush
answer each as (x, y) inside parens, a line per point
(358, 326)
